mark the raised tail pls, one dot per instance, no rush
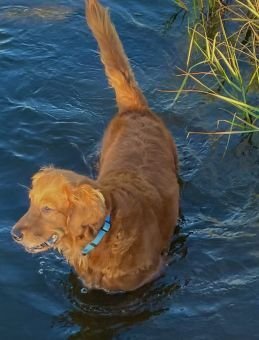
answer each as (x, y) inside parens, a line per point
(117, 67)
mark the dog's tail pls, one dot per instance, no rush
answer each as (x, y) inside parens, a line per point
(117, 67)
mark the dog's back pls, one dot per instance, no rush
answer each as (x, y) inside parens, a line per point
(138, 168)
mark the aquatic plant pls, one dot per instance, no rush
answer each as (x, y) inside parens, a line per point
(222, 58)
(181, 4)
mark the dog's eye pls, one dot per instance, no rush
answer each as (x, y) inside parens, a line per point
(46, 209)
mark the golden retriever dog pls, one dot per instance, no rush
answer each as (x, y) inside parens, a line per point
(115, 230)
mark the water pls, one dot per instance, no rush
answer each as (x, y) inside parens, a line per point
(54, 106)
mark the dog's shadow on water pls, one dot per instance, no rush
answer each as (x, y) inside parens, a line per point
(96, 314)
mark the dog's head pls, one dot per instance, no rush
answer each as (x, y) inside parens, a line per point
(62, 205)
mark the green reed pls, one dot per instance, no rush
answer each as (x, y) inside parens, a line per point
(222, 59)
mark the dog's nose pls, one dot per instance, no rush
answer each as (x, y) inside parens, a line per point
(17, 234)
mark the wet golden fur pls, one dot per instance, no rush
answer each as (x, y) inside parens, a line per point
(136, 185)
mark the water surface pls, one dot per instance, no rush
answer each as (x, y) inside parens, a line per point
(54, 106)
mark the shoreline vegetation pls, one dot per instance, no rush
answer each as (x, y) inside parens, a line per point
(222, 59)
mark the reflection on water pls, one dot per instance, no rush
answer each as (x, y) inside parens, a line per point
(54, 106)
(98, 313)
(43, 13)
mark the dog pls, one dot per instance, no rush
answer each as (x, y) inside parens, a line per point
(114, 230)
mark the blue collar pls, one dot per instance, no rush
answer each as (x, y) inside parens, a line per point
(102, 232)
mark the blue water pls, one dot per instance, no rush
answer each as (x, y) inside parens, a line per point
(54, 107)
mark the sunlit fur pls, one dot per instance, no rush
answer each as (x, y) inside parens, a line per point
(136, 185)
(117, 68)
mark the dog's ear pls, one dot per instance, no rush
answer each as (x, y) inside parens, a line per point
(87, 210)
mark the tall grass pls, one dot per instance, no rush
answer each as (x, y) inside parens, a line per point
(222, 59)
